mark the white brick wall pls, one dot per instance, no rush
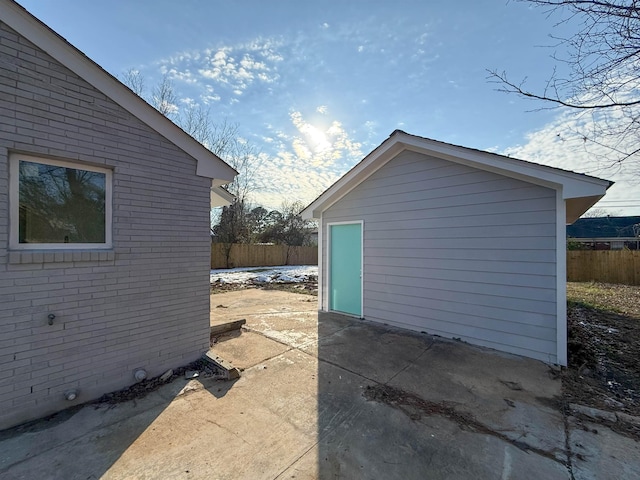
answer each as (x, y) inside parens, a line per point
(143, 304)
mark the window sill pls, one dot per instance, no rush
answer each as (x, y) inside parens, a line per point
(60, 256)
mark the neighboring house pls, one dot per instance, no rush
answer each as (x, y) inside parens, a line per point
(606, 233)
(313, 237)
(452, 241)
(104, 228)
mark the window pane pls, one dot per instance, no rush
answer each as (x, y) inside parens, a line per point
(60, 204)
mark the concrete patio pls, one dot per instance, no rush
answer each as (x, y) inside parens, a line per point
(329, 398)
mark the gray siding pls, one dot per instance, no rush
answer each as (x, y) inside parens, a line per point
(145, 303)
(458, 252)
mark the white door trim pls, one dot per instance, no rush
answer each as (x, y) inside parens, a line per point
(326, 306)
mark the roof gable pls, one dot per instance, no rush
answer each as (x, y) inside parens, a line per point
(208, 164)
(579, 191)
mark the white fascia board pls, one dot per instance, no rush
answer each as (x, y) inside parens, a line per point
(16, 17)
(220, 197)
(574, 185)
(580, 192)
(367, 167)
(307, 214)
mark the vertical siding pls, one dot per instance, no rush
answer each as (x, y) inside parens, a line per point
(457, 252)
(143, 304)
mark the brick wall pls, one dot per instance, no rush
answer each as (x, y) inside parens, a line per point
(145, 303)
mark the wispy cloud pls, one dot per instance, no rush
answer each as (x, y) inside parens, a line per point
(563, 143)
(228, 70)
(296, 82)
(305, 160)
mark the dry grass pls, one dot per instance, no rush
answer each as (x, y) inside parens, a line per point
(624, 299)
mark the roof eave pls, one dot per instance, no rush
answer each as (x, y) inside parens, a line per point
(571, 184)
(386, 150)
(221, 197)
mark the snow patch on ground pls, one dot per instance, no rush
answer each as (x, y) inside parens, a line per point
(283, 274)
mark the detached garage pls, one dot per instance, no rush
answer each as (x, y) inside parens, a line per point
(453, 241)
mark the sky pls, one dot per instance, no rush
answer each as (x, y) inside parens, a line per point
(314, 86)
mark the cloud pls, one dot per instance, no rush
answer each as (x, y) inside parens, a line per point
(254, 82)
(209, 96)
(422, 38)
(305, 160)
(563, 143)
(226, 69)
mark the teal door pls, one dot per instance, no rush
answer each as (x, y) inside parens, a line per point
(345, 268)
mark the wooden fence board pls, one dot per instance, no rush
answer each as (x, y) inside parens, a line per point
(608, 266)
(249, 255)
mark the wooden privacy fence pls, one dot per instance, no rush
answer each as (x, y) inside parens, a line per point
(224, 255)
(608, 266)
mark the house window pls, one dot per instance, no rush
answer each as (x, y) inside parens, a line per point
(56, 204)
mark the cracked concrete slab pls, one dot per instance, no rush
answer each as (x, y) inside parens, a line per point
(253, 349)
(301, 409)
(294, 329)
(598, 452)
(511, 394)
(253, 302)
(372, 352)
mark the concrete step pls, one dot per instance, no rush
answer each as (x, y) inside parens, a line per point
(231, 371)
(227, 327)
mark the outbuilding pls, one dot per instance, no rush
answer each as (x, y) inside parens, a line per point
(104, 228)
(452, 241)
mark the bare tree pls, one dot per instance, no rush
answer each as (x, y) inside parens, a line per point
(230, 224)
(235, 220)
(196, 121)
(164, 98)
(224, 140)
(603, 65)
(597, 212)
(133, 79)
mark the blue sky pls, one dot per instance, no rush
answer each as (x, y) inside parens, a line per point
(317, 85)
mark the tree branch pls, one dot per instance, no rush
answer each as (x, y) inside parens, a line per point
(513, 88)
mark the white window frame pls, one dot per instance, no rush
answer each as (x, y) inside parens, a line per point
(14, 204)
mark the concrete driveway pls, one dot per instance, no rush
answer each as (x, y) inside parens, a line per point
(330, 398)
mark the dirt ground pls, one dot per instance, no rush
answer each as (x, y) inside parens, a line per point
(604, 342)
(604, 347)
(310, 287)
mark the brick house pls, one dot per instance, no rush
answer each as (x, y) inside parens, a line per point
(104, 228)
